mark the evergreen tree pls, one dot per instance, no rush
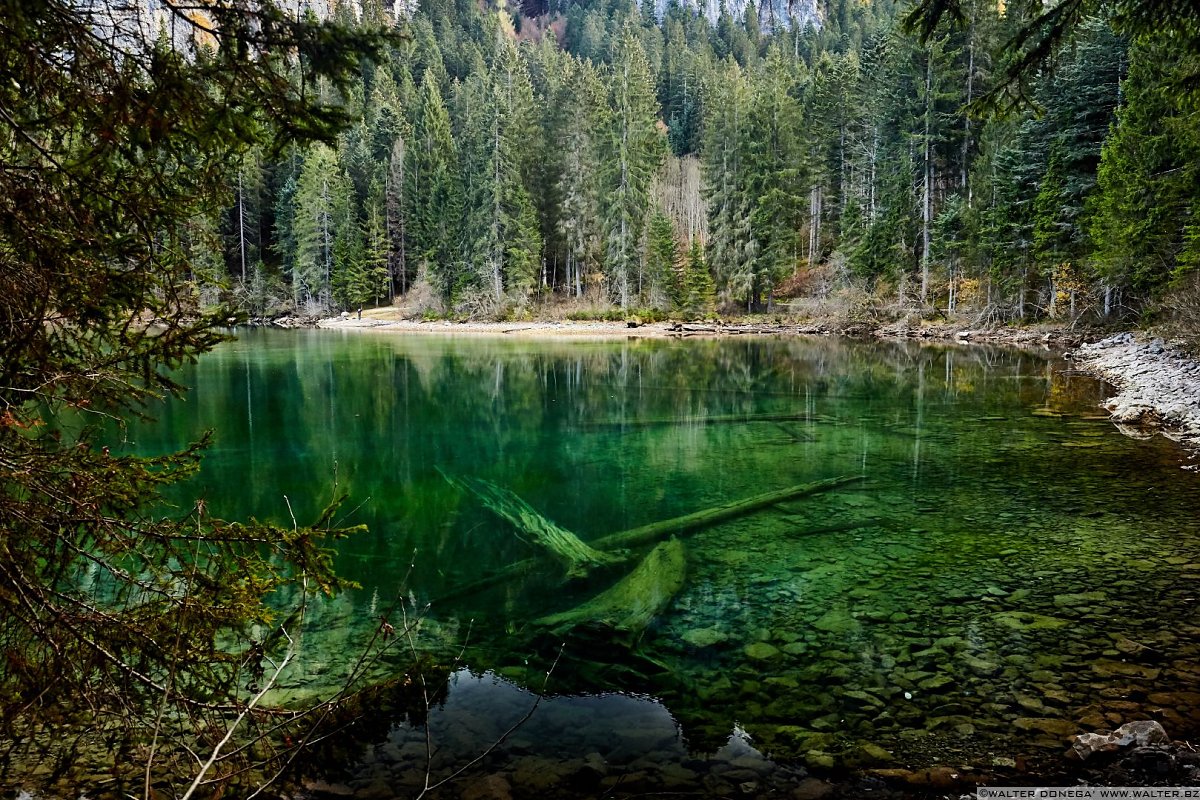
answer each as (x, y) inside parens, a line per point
(432, 192)
(118, 151)
(662, 261)
(502, 237)
(632, 152)
(579, 182)
(1144, 224)
(322, 204)
(700, 292)
(732, 248)
(774, 176)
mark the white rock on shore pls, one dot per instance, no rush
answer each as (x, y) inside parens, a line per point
(1159, 385)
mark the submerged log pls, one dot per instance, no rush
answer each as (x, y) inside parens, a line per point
(689, 523)
(631, 603)
(533, 527)
(715, 419)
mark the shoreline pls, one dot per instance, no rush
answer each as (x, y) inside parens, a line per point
(1157, 385)
(1044, 336)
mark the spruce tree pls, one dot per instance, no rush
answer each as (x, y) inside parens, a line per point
(1142, 225)
(700, 291)
(775, 176)
(432, 192)
(661, 261)
(632, 150)
(322, 193)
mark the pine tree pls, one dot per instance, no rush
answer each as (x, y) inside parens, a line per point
(432, 191)
(502, 237)
(1143, 224)
(774, 176)
(321, 193)
(579, 182)
(732, 248)
(662, 261)
(633, 151)
(700, 292)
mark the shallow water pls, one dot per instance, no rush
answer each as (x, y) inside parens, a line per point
(1011, 569)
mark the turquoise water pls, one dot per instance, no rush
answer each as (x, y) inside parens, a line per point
(1010, 569)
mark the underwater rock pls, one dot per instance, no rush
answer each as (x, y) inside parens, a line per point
(869, 753)
(863, 698)
(762, 651)
(1136, 734)
(707, 691)
(1030, 704)
(1047, 725)
(935, 683)
(1106, 668)
(376, 790)
(1079, 599)
(1130, 647)
(324, 790)
(1187, 700)
(981, 666)
(1056, 696)
(811, 789)
(837, 620)
(705, 637)
(932, 778)
(952, 721)
(838, 655)
(490, 787)
(1028, 621)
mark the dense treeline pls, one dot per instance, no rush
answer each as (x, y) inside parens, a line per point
(660, 161)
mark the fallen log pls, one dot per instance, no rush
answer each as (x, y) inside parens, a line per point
(690, 523)
(631, 603)
(678, 526)
(532, 527)
(715, 419)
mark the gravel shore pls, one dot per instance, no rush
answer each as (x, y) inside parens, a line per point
(1158, 386)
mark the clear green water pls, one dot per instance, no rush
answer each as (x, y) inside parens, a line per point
(1011, 568)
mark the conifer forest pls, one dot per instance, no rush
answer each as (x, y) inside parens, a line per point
(660, 157)
(570, 492)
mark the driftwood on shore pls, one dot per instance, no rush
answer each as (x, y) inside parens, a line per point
(676, 526)
(635, 600)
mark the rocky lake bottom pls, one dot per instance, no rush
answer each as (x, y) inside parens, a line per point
(1009, 571)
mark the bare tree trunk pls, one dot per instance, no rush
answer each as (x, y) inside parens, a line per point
(1021, 293)
(814, 224)
(327, 289)
(874, 157)
(242, 226)
(927, 183)
(395, 220)
(966, 145)
(497, 245)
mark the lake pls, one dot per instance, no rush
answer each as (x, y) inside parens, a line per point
(1010, 568)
